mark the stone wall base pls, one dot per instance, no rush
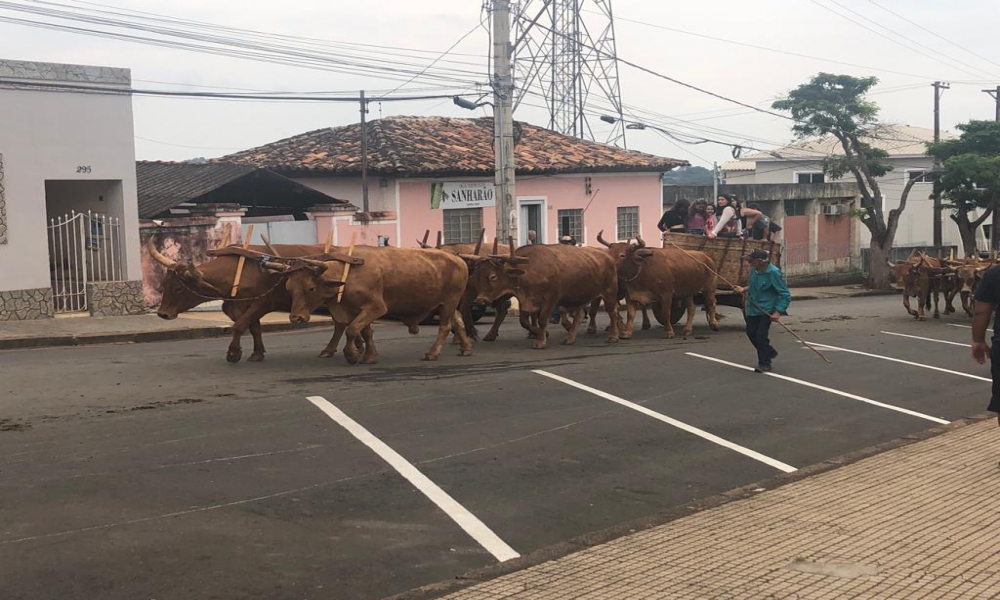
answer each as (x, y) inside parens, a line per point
(19, 305)
(115, 298)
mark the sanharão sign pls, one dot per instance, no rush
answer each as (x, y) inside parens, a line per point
(462, 195)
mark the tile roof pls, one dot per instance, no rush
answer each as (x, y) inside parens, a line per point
(897, 140)
(441, 146)
(164, 185)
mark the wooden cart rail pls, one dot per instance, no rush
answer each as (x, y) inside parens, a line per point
(727, 253)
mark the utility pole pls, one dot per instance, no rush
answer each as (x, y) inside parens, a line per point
(995, 94)
(939, 87)
(715, 181)
(364, 154)
(503, 123)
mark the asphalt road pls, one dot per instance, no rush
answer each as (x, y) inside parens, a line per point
(160, 471)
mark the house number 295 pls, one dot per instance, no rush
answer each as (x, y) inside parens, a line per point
(84, 169)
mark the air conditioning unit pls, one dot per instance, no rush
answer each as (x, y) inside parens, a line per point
(832, 210)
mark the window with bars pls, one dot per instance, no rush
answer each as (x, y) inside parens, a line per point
(922, 176)
(810, 178)
(571, 223)
(628, 222)
(796, 208)
(462, 225)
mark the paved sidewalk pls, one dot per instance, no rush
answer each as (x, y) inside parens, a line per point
(836, 291)
(917, 521)
(82, 330)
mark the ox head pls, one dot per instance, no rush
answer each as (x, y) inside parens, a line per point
(495, 275)
(309, 283)
(968, 273)
(183, 286)
(627, 256)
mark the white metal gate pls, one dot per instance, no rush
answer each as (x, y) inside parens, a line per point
(83, 248)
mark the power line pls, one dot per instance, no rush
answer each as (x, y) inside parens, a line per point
(766, 48)
(96, 89)
(660, 75)
(884, 37)
(915, 24)
(440, 56)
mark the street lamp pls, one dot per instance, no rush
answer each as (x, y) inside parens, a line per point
(468, 104)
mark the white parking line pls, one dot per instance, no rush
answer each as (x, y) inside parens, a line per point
(905, 362)
(917, 337)
(465, 519)
(670, 421)
(965, 326)
(826, 389)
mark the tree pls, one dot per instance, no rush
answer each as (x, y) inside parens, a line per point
(688, 176)
(835, 105)
(970, 167)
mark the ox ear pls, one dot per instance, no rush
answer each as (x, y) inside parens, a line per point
(643, 252)
(514, 271)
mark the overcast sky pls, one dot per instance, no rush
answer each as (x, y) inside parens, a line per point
(175, 129)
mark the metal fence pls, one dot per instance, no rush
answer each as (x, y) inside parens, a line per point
(83, 248)
(901, 253)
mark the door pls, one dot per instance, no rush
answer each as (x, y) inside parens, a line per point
(531, 217)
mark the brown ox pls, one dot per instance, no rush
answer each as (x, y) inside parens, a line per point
(917, 277)
(542, 277)
(405, 283)
(968, 274)
(658, 277)
(186, 285)
(499, 306)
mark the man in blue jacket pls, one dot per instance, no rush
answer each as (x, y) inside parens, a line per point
(766, 290)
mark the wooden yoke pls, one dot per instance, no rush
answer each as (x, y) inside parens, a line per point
(347, 268)
(241, 263)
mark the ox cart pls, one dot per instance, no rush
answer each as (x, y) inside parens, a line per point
(728, 255)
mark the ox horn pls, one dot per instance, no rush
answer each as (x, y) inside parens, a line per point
(163, 260)
(600, 238)
(423, 243)
(510, 242)
(496, 245)
(193, 270)
(273, 266)
(319, 267)
(640, 243)
(440, 239)
(479, 244)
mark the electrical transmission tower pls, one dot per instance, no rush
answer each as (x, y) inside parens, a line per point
(565, 55)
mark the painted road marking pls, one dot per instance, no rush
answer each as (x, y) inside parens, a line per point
(905, 362)
(826, 389)
(966, 326)
(917, 337)
(669, 421)
(465, 519)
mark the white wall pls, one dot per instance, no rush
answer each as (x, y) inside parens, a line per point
(916, 224)
(46, 135)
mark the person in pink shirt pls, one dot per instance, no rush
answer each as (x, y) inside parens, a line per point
(699, 221)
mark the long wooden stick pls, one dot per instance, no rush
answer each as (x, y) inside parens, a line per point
(747, 296)
(225, 238)
(329, 239)
(239, 265)
(347, 268)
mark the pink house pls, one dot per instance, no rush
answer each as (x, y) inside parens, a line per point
(437, 173)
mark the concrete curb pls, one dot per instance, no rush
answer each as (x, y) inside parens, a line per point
(550, 553)
(858, 294)
(137, 337)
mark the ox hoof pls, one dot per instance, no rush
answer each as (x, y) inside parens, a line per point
(430, 357)
(326, 354)
(921, 318)
(613, 340)
(686, 333)
(413, 329)
(625, 336)
(490, 337)
(670, 335)
(567, 342)
(234, 356)
(369, 360)
(256, 357)
(352, 359)
(713, 326)
(465, 352)
(646, 326)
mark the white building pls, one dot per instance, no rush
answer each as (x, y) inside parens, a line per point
(69, 230)
(802, 163)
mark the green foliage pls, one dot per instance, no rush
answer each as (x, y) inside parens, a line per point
(831, 103)
(874, 158)
(978, 137)
(688, 176)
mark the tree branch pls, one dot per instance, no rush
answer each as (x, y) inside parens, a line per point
(983, 217)
(895, 213)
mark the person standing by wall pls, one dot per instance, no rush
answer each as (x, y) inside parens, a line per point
(987, 298)
(768, 299)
